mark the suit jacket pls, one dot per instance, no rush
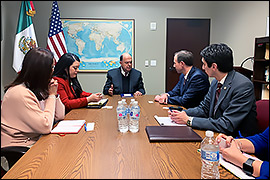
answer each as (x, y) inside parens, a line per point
(194, 90)
(114, 77)
(67, 97)
(235, 110)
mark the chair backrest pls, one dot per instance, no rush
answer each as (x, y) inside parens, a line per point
(12, 154)
(263, 114)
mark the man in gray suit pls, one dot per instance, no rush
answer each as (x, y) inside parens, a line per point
(233, 111)
(124, 79)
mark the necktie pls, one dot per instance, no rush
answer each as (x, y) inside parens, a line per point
(218, 92)
(184, 81)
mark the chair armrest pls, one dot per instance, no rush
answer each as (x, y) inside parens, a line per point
(14, 149)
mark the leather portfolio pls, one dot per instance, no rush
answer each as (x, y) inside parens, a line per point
(97, 105)
(171, 133)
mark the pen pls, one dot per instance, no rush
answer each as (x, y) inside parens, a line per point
(85, 126)
(240, 135)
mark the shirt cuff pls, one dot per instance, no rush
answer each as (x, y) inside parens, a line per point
(51, 96)
(190, 118)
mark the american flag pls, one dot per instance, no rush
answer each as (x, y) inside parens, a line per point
(56, 39)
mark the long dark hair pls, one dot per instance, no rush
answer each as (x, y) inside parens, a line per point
(62, 70)
(36, 72)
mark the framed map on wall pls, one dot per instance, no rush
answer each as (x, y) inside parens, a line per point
(99, 42)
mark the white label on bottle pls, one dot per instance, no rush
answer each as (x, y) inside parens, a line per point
(210, 156)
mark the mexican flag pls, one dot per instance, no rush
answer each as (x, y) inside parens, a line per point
(25, 34)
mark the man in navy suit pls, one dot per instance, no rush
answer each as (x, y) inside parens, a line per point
(124, 79)
(233, 111)
(192, 86)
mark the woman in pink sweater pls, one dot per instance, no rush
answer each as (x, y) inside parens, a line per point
(30, 106)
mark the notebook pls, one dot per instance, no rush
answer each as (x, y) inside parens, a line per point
(171, 133)
(97, 105)
(68, 127)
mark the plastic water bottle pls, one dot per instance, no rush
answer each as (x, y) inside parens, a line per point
(127, 107)
(124, 101)
(122, 117)
(134, 117)
(131, 102)
(209, 157)
(130, 105)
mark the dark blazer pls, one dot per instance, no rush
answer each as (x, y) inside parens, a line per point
(235, 110)
(114, 77)
(194, 90)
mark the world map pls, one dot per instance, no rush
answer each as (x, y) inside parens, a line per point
(98, 43)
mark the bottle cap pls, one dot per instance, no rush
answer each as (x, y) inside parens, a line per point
(209, 133)
(132, 100)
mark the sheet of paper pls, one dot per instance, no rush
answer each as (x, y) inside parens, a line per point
(127, 95)
(107, 107)
(166, 121)
(90, 126)
(237, 171)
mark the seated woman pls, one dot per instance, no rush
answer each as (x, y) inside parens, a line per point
(30, 106)
(258, 144)
(69, 88)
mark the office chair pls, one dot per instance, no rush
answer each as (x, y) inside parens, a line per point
(262, 114)
(12, 154)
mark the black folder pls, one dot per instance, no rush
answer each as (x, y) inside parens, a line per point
(171, 133)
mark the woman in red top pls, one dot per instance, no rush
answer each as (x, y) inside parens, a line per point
(69, 88)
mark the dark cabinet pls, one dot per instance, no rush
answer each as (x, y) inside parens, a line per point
(261, 63)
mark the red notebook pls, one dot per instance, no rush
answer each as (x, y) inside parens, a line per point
(68, 127)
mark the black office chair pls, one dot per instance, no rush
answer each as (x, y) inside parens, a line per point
(12, 154)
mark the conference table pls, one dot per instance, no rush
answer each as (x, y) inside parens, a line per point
(106, 153)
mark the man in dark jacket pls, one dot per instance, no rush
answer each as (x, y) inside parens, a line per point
(124, 79)
(192, 86)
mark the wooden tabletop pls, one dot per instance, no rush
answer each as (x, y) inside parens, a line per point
(106, 153)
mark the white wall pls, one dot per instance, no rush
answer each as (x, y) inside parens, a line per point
(236, 23)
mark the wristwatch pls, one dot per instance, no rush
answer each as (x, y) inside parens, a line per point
(247, 166)
(189, 121)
